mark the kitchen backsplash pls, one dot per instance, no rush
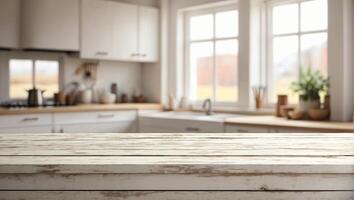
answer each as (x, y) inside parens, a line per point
(127, 75)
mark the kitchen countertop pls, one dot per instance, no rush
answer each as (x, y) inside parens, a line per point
(81, 108)
(175, 166)
(275, 122)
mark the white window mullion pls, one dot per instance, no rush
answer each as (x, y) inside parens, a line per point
(33, 74)
(299, 41)
(214, 60)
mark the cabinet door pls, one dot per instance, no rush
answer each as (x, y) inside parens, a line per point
(9, 23)
(36, 129)
(50, 24)
(125, 31)
(148, 34)
(24, 121)
(244, 129)
(116, 127)
(157, 125)
(97, 30)
(290, 130)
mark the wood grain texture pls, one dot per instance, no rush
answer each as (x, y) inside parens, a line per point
(219, 144)
(81, 108)
(177, 153)
(274, 122)
(177, 166)
(177, 182)
(158, 195)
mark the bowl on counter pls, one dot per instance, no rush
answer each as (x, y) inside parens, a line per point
(318, 114)
(108, 98)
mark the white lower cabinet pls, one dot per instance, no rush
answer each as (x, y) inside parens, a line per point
(158, 125)
(114, 127)
(259, 129)
(78, 122)
(245, 129)
(35, 129)
(30, 123)
(96, 122)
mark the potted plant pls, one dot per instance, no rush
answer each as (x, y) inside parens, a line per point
(309, 87)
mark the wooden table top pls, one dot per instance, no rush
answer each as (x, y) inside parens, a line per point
(275, 122)
(177, 153)
(82, 108)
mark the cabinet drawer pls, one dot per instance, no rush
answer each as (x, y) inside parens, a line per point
(244, 129)
(15, 121)
(35, 129)
(111, 127)
(147, 124)
(94, 117)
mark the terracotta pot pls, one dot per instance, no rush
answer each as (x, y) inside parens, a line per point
(319, 114)
(282, 101)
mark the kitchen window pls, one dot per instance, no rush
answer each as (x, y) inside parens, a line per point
(212, 55)
(26, 74)
(297, 38)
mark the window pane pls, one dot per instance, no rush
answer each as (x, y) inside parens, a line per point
(201, 74)
(201, 27)
(20, 78)
(47, 77)
(227, 24)
(226, 69)
(285, 67)
(314, 51)
(286, 19)
(314, 15)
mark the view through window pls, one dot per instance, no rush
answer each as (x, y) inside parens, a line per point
(213, 56)
(26, 74)
(298, 39)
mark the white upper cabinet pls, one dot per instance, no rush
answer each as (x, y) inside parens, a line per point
(97, 30)
(50, 24)
(119, 31)
(9, 23)
(148, 34)
(125, 31)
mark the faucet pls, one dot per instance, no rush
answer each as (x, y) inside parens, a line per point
(208, 103)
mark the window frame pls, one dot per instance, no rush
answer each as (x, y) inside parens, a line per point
(33, 70)
(270, 4)
(187, 42)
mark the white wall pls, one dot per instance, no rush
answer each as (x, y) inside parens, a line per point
(154, 75)
(341, 58)
(126, 75)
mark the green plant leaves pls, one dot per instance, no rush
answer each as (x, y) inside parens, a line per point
(310, 84)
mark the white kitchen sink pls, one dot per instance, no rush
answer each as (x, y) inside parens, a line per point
(197, 116)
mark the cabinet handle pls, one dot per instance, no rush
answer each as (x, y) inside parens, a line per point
(101, 53)
(105, 116)
(30, 119)
(135, 54)
(193, 129)
(143, 55)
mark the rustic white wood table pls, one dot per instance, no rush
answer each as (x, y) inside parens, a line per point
(176, 166)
